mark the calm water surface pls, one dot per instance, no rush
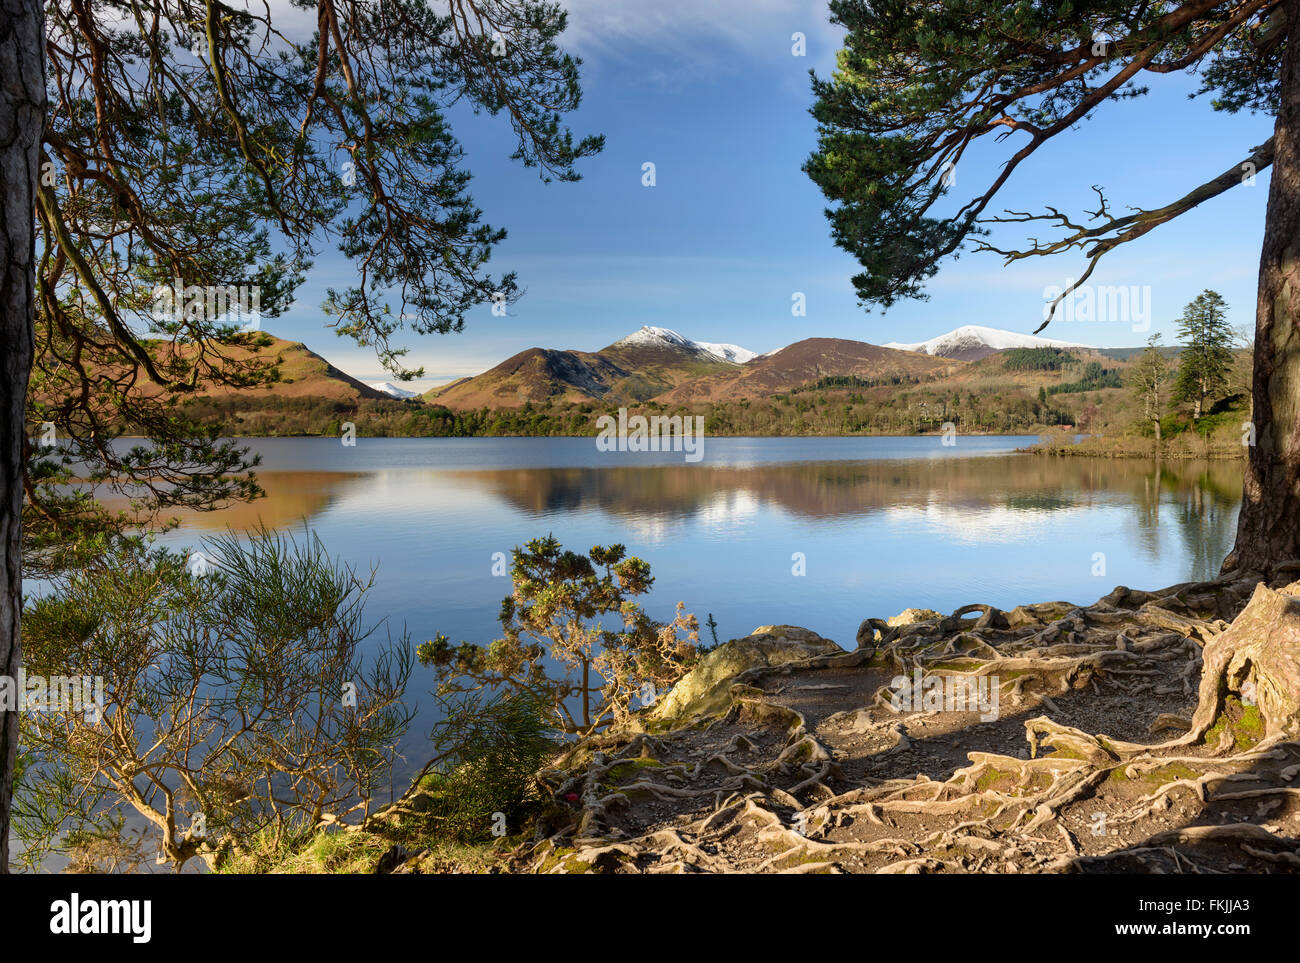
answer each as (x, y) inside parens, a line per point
(880, 524)
(875, 524)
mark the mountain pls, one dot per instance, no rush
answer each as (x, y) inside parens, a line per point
(303, 373)
(393, 391)
(641, 366)
(803, 363)
(971, 342)
(647, 335)
(534, 374)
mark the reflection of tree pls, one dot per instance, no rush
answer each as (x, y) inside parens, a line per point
(1204, 497)
(1206, 517)
(1148, 510)
(1040, 501)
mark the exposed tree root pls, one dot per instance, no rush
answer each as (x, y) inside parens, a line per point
(782, 779)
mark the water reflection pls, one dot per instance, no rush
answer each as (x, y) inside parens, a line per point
(876, 535)
(832, 489)
(974, 500)
(1199, 498)
(292, 498)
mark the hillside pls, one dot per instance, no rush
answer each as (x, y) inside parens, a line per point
(648, 335)
(662, 366)
(534, 374)
(806, 362)
(303, 374)
(818, 386)
(633, 369)
(299, 374)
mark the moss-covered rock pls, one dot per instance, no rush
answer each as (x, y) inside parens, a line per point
(706, 689)
(913, 616)
(1023, 615)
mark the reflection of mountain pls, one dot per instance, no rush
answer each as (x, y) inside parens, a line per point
(981, 498)
(1020, 484)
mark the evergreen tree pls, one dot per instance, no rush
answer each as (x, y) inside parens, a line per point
(1206, 361)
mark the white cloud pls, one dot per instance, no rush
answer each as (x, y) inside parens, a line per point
(698, 39)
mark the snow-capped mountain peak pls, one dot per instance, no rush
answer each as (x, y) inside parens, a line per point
(971, 342)
(649, 334)
(393, 391)
(727, 352)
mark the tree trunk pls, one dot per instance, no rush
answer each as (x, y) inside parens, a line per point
(1268, 529)
(22, 125)
(1258, 660)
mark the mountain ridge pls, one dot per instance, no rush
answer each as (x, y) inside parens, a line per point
(648, 334)
(633, 369)
(971, 342)
(662, 365)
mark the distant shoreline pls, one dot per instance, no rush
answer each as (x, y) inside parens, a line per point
(1089, 447)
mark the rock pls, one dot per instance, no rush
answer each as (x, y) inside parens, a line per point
(1023, 615)
(912, 616)
(873, 631)
(393, 858)
(705, 690)
(788, 633)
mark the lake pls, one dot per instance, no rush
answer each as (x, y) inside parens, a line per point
(818, 532)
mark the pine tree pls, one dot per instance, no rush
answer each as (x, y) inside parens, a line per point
(156, 157)
(1206, 361)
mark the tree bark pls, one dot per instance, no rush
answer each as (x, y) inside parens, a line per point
(1268, 528)
(1258, 659)
(22, 125)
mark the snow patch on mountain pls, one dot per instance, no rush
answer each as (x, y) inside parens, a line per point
(972, 341)
(648, 334)
(393, 391)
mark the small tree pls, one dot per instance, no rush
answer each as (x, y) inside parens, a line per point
(1150, 382)
(1243, 349)
(487, 750)
(237, 712)
(555, 613)
(1206, 360)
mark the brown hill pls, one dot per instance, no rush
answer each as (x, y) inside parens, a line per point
(535, 374)
(806, 362)
(656, 368)
(622, 373)
(303, 374)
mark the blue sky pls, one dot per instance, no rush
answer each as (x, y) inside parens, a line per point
(712, 95)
